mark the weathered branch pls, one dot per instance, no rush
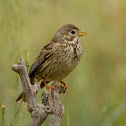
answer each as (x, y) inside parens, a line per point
(52, 105)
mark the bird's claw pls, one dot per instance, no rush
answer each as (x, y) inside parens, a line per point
(52, 86)
(64, 85)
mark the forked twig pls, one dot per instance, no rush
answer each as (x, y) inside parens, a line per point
(52, 105)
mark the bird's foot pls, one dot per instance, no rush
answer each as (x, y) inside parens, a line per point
(52, 86)
(47, 87)
(64, 84)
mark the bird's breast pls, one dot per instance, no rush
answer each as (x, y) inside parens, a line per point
(61, 63)
(67, 59)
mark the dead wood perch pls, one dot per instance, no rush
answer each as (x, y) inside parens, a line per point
(52, 105)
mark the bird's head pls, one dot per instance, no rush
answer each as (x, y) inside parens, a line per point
(68, 33)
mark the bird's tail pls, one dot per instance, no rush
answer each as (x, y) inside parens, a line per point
(22, 96)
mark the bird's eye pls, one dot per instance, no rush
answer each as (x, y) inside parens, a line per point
(73, 32)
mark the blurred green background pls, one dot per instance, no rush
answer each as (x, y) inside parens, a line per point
(96, 94)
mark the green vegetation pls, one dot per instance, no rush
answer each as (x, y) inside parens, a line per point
(96, 88)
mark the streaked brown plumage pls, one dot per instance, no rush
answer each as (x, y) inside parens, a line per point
(59, 57)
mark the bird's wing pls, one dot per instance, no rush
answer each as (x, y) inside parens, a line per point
(45, 54)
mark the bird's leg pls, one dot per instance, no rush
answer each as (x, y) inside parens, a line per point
(47, 87)
(64, 84)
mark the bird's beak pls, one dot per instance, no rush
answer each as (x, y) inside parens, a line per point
(81, 33)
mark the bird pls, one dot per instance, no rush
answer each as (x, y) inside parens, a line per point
(58, 58)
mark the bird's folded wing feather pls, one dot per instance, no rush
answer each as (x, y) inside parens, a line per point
(45, 54)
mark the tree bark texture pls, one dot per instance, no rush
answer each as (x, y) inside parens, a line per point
(51, 104)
